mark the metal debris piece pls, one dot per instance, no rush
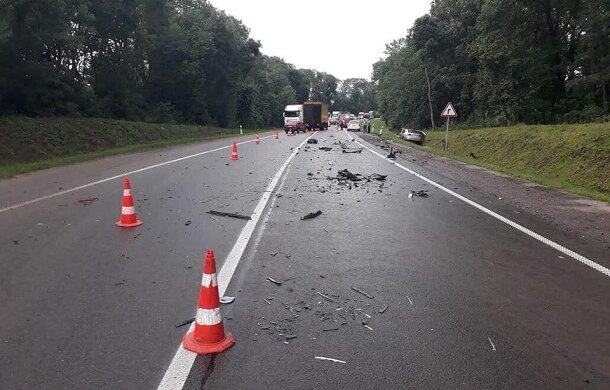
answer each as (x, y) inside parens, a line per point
(290, 336)
(420, 193)
(329, 359)
(383, 308)
(363, 292)
(325, 148)
(274, 281)
(352, 150)
(326, 297)
(185, 322)
(368, 327)
(347, 175)
(267, 302)
(226, 299)
(312, 141)
(377, 176)
(232, 215)
(273, 253)
(88, 201)
(312, 215)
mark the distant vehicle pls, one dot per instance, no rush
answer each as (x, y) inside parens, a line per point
(315, 115)
(353, 125)
(293, 118)
(344, 121)
(334, 119)
(416, 136)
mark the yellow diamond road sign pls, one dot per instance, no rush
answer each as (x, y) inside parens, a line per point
(449, 111)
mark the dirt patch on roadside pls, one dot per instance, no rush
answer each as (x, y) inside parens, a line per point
(589, 219)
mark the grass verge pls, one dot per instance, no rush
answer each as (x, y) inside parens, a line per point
(574, 158)
(30, 144)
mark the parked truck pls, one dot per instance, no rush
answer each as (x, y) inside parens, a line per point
(315, 115)
(293, 118)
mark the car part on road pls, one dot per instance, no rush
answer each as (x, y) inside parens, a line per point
(187, 223)
(209, 335)
(383, 308)
(325, 148)
(185, 322)
(274, 281)
(420, 193)
(363, 292)
(87, 202)
(352, 150)
(227, 300)
(312, 215)
(312, 141)
(231, 215)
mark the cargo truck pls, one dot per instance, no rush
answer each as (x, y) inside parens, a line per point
(293, 118)
(315, 115)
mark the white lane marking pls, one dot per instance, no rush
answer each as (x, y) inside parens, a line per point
(410, 301)
(183, 360)
(329, 359)
(119, 176)
(523, 229)
(493, 347)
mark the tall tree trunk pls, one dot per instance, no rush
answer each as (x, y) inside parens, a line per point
(429, 98)
(604, 96)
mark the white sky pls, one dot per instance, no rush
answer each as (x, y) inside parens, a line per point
(340, 37)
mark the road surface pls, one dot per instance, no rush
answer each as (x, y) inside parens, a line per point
(453, 290)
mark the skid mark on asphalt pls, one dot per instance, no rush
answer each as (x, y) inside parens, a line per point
(544, 240)
(119, 176)
(183, 360)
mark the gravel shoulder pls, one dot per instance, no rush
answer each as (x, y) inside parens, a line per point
(588, 219)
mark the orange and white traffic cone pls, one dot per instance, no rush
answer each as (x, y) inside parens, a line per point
(258, 140)
(277, 135)
(209, 335)
(128, 212)
(234, 155)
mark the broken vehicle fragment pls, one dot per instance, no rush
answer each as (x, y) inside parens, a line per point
(312, 215)
(231, 215)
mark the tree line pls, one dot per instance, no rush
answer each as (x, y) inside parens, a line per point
(178, 61)
(500, 62)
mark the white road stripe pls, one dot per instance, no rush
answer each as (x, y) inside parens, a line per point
(119, 176)
(552, 244)
(183, 360)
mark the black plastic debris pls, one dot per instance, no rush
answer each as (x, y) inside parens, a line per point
(312, 215)
(352, 150)
(185, 322)
(231, 215)
(312, 141)
(325, 148)
(420, 193)
(378, 177)
(187, 223)
(347, 175)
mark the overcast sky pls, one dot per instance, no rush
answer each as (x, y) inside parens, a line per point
(340, 37)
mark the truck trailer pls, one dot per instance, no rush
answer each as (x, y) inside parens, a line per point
(315, 115)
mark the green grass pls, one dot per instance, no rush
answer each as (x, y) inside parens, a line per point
(29, 144)
(574, 157)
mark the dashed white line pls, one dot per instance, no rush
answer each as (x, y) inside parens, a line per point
(119, 176)
(183, 360)
(523, 229)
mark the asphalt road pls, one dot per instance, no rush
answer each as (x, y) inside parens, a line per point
(460, 298)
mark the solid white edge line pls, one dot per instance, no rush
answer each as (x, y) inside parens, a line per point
(183, 360)
(523, 229)
(121, 175)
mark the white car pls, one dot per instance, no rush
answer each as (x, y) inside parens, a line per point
(416, 136)
(353, 125)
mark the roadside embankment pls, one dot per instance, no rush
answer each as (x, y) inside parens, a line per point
(572, 157)
(28, 144)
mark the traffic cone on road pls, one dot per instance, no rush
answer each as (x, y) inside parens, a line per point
(234, 155)
(258, 140)
(209, 335)
(128, 212)
(277, 135)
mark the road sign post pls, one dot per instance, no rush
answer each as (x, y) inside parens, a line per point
(449, 112)
(241, 130)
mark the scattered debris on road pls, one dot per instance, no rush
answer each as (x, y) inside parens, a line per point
(88, 201)
(352, 150)
(325, 148)
(227, 300)
(312, 141)
(231, 215)
(363, 292)
(420, 193)
(326, 297)
(383, 308)
(290, 336)
(330, 359)
(185, 322)
(274, 281)
(187, 223)
(347, 175)
(312, 215)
